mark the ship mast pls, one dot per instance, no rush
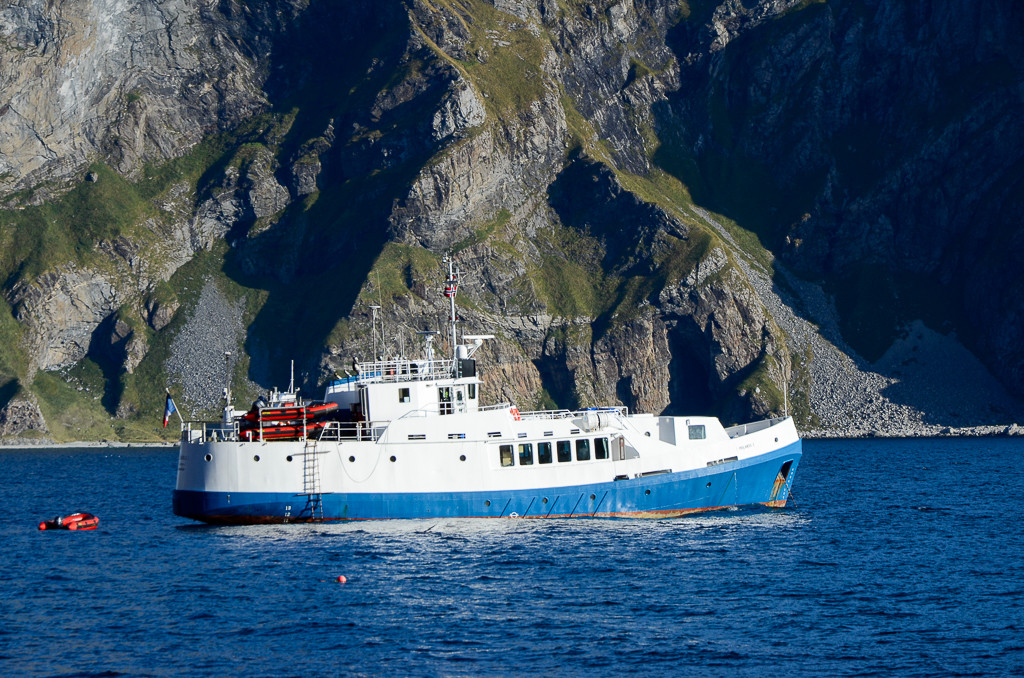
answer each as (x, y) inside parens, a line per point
(451, 288)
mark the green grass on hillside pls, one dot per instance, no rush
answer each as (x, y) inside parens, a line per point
(397, 269)
(510, 78)
(13, 360)
(759, 380)
(73, 414)
(483, 233)
(569, 289)
(37, 238)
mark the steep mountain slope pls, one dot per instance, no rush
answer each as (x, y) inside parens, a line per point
(184, 179)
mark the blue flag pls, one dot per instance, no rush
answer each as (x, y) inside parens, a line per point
(169, 409)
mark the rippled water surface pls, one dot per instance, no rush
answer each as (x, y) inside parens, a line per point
(903, 558)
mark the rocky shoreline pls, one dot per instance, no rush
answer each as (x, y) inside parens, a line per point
(46, 443)
(1012, 430)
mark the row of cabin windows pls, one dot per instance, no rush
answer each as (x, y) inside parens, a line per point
(562, 450)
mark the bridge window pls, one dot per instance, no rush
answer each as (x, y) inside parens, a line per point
(526, 454)
(544, 453)
(697, 432)
(600, 448)
(564, 450)
(582, 450)
(506, 455)
(444, 400)
(403, 395)
(471, 391)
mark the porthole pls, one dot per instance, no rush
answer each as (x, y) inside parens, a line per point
(256, 458)
(288, 458)
(545, 500)
(351, 458)
(393, 458)
(709, 485)
(776, 440)
(487, 503)
(208, 457)
(648, 434)
(593, 497)
(647, 491)
(462, 457)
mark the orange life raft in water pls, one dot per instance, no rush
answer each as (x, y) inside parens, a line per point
(75, 521)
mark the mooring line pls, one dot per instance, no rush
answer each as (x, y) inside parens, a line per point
(790, 489)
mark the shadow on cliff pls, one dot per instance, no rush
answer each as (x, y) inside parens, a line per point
(8, 391)
(107, 353)
(590, 200)
(701, 127)
(328, 70)
(757, 128)
(689, 385)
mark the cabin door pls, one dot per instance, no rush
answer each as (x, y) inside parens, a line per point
(460, 399)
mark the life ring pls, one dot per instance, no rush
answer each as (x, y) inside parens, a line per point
(514, 411)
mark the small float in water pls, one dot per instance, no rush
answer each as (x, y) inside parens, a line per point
(75, 521)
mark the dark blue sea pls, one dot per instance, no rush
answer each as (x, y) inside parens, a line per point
(900, 558)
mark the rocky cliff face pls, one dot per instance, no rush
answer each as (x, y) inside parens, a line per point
(617, 180)
(877, 146)
(133, 81)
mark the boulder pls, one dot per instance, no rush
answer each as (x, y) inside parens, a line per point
(20, 416)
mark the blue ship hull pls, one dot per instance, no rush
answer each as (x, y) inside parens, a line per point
(765, 479)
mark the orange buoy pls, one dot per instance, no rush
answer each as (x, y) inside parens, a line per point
(342, 579)
(514, 411)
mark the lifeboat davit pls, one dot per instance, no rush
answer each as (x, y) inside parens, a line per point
(75, 521)
(285, 415)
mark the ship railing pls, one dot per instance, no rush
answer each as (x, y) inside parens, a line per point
(353, 430)
(209, 432)
(620, 410)
(572, 414)
(545, 414)
(753, 427)
(499, 406)
(397, 370)
(428, 411)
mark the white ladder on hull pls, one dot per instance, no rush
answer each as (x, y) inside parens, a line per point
(314, 508)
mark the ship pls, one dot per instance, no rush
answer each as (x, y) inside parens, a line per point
(411, 438)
